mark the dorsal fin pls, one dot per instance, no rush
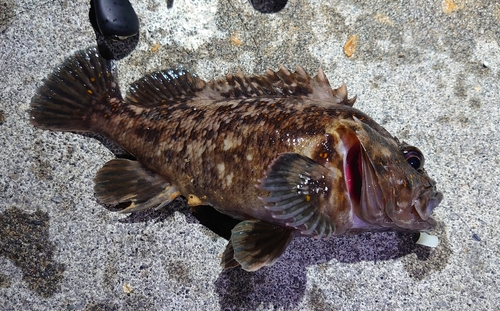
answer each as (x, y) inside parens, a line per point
(163, 87)
(167, 86)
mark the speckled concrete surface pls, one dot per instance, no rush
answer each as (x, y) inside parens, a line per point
(426, 70)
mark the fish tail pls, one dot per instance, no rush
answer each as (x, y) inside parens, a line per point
(67, 99)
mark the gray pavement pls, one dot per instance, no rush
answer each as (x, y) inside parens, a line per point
(428, 71)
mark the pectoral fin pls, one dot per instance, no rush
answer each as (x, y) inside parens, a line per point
(255, 244)
(299, 189)
(122, 180)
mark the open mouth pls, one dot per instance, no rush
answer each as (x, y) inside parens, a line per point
(353, 169)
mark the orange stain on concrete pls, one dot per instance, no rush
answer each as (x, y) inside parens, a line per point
(350, 46)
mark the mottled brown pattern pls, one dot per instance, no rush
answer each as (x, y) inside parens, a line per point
(218, 150)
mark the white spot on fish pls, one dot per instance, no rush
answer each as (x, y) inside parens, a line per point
(249, 157)
(220, 169)
(138, 110)
(229, 180)
(228, 143)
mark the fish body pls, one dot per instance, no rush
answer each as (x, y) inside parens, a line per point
(282, 152)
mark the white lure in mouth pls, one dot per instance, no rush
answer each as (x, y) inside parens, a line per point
(428, 240)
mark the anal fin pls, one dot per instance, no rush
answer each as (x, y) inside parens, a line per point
(123, 180)
(227, 260)
(255, 244)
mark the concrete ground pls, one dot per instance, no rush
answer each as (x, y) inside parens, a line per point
(428, 71)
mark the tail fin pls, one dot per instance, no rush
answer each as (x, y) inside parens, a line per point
(65, 101)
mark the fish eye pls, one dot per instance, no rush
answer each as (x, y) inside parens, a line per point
(414, 157)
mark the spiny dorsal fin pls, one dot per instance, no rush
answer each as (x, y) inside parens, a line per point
(281, 83)
(168, 86)
(163, 87)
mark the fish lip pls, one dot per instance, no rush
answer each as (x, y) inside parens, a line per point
(433, 202)
(434, 198)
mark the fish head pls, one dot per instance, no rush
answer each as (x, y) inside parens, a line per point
(386, 180)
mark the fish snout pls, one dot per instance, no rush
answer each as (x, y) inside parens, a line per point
(433, 202)
(427, 202)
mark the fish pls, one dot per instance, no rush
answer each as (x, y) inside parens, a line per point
(283, 152)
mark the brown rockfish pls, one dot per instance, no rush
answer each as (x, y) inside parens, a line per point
(283, 152)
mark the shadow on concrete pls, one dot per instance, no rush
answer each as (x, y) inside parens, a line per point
(283, 285)
(24, 239)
